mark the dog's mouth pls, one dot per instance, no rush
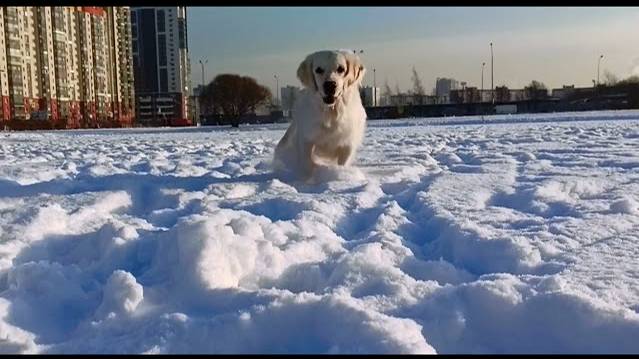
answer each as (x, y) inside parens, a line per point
(329, 100)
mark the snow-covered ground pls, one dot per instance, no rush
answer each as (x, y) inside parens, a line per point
(473, 235)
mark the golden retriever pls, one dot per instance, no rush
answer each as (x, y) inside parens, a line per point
(328, 118)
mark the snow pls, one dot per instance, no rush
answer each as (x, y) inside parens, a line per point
(497, 234)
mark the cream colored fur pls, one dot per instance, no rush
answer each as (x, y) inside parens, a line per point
(322, 133)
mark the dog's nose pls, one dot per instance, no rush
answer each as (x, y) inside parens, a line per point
(330, 87)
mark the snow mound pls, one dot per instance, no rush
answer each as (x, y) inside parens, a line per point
(625, 205)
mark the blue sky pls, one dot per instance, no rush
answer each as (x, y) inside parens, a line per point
(554, 45)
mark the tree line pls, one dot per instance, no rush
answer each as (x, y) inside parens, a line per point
(230, 97)
(535, 90)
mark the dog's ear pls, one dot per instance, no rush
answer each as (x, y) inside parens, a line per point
(305, 73)
(355, 70)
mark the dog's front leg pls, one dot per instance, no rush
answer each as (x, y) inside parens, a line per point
(343, 154)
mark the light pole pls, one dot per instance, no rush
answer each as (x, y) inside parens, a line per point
(482, 81)
(598, 63)
(492, 84)
(277, 93)
(203, 63)
(374, 89)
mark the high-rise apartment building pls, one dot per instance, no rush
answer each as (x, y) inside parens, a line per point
(161, 64)
(71, 65)
(370, 96)
(443, 87)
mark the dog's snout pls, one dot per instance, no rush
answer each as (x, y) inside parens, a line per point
(330, 87)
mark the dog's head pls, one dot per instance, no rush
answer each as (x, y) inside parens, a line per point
(331, 73)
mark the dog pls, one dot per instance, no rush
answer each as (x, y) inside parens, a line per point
(329, 119)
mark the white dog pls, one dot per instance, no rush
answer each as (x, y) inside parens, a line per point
(329, 119)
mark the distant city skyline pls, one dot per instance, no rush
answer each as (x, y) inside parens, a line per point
(557, 46)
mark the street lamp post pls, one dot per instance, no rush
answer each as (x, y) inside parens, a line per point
(598, 63)
(374, 89)
(482, 81)
(203, 63)
(492, 84)
(277, 87)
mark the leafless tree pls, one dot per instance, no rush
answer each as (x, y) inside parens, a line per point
(234, 96)
(536, 90)
(418, 88)
(502, 94)
(609, 78)
(634, 79)
(387, 93)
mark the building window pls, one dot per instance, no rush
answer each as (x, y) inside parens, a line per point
(162, 49)
(160, 21)
(182, 33)
(164, 86)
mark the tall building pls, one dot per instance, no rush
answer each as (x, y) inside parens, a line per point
(121, 56)
(289, 95)
(70, 65)
(370, 96)
(161, 65)
(443, 86)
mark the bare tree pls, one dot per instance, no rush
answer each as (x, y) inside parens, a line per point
(536, 90)
(502, 94)
(397, 90)
(418, 88)
(634, 79)
(387, 93)
(609, 78)
(631, 86)
(234, 96)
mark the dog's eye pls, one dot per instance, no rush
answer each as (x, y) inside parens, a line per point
(340, 69)
(319, 70)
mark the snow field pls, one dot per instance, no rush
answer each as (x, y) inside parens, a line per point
(516, 236)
